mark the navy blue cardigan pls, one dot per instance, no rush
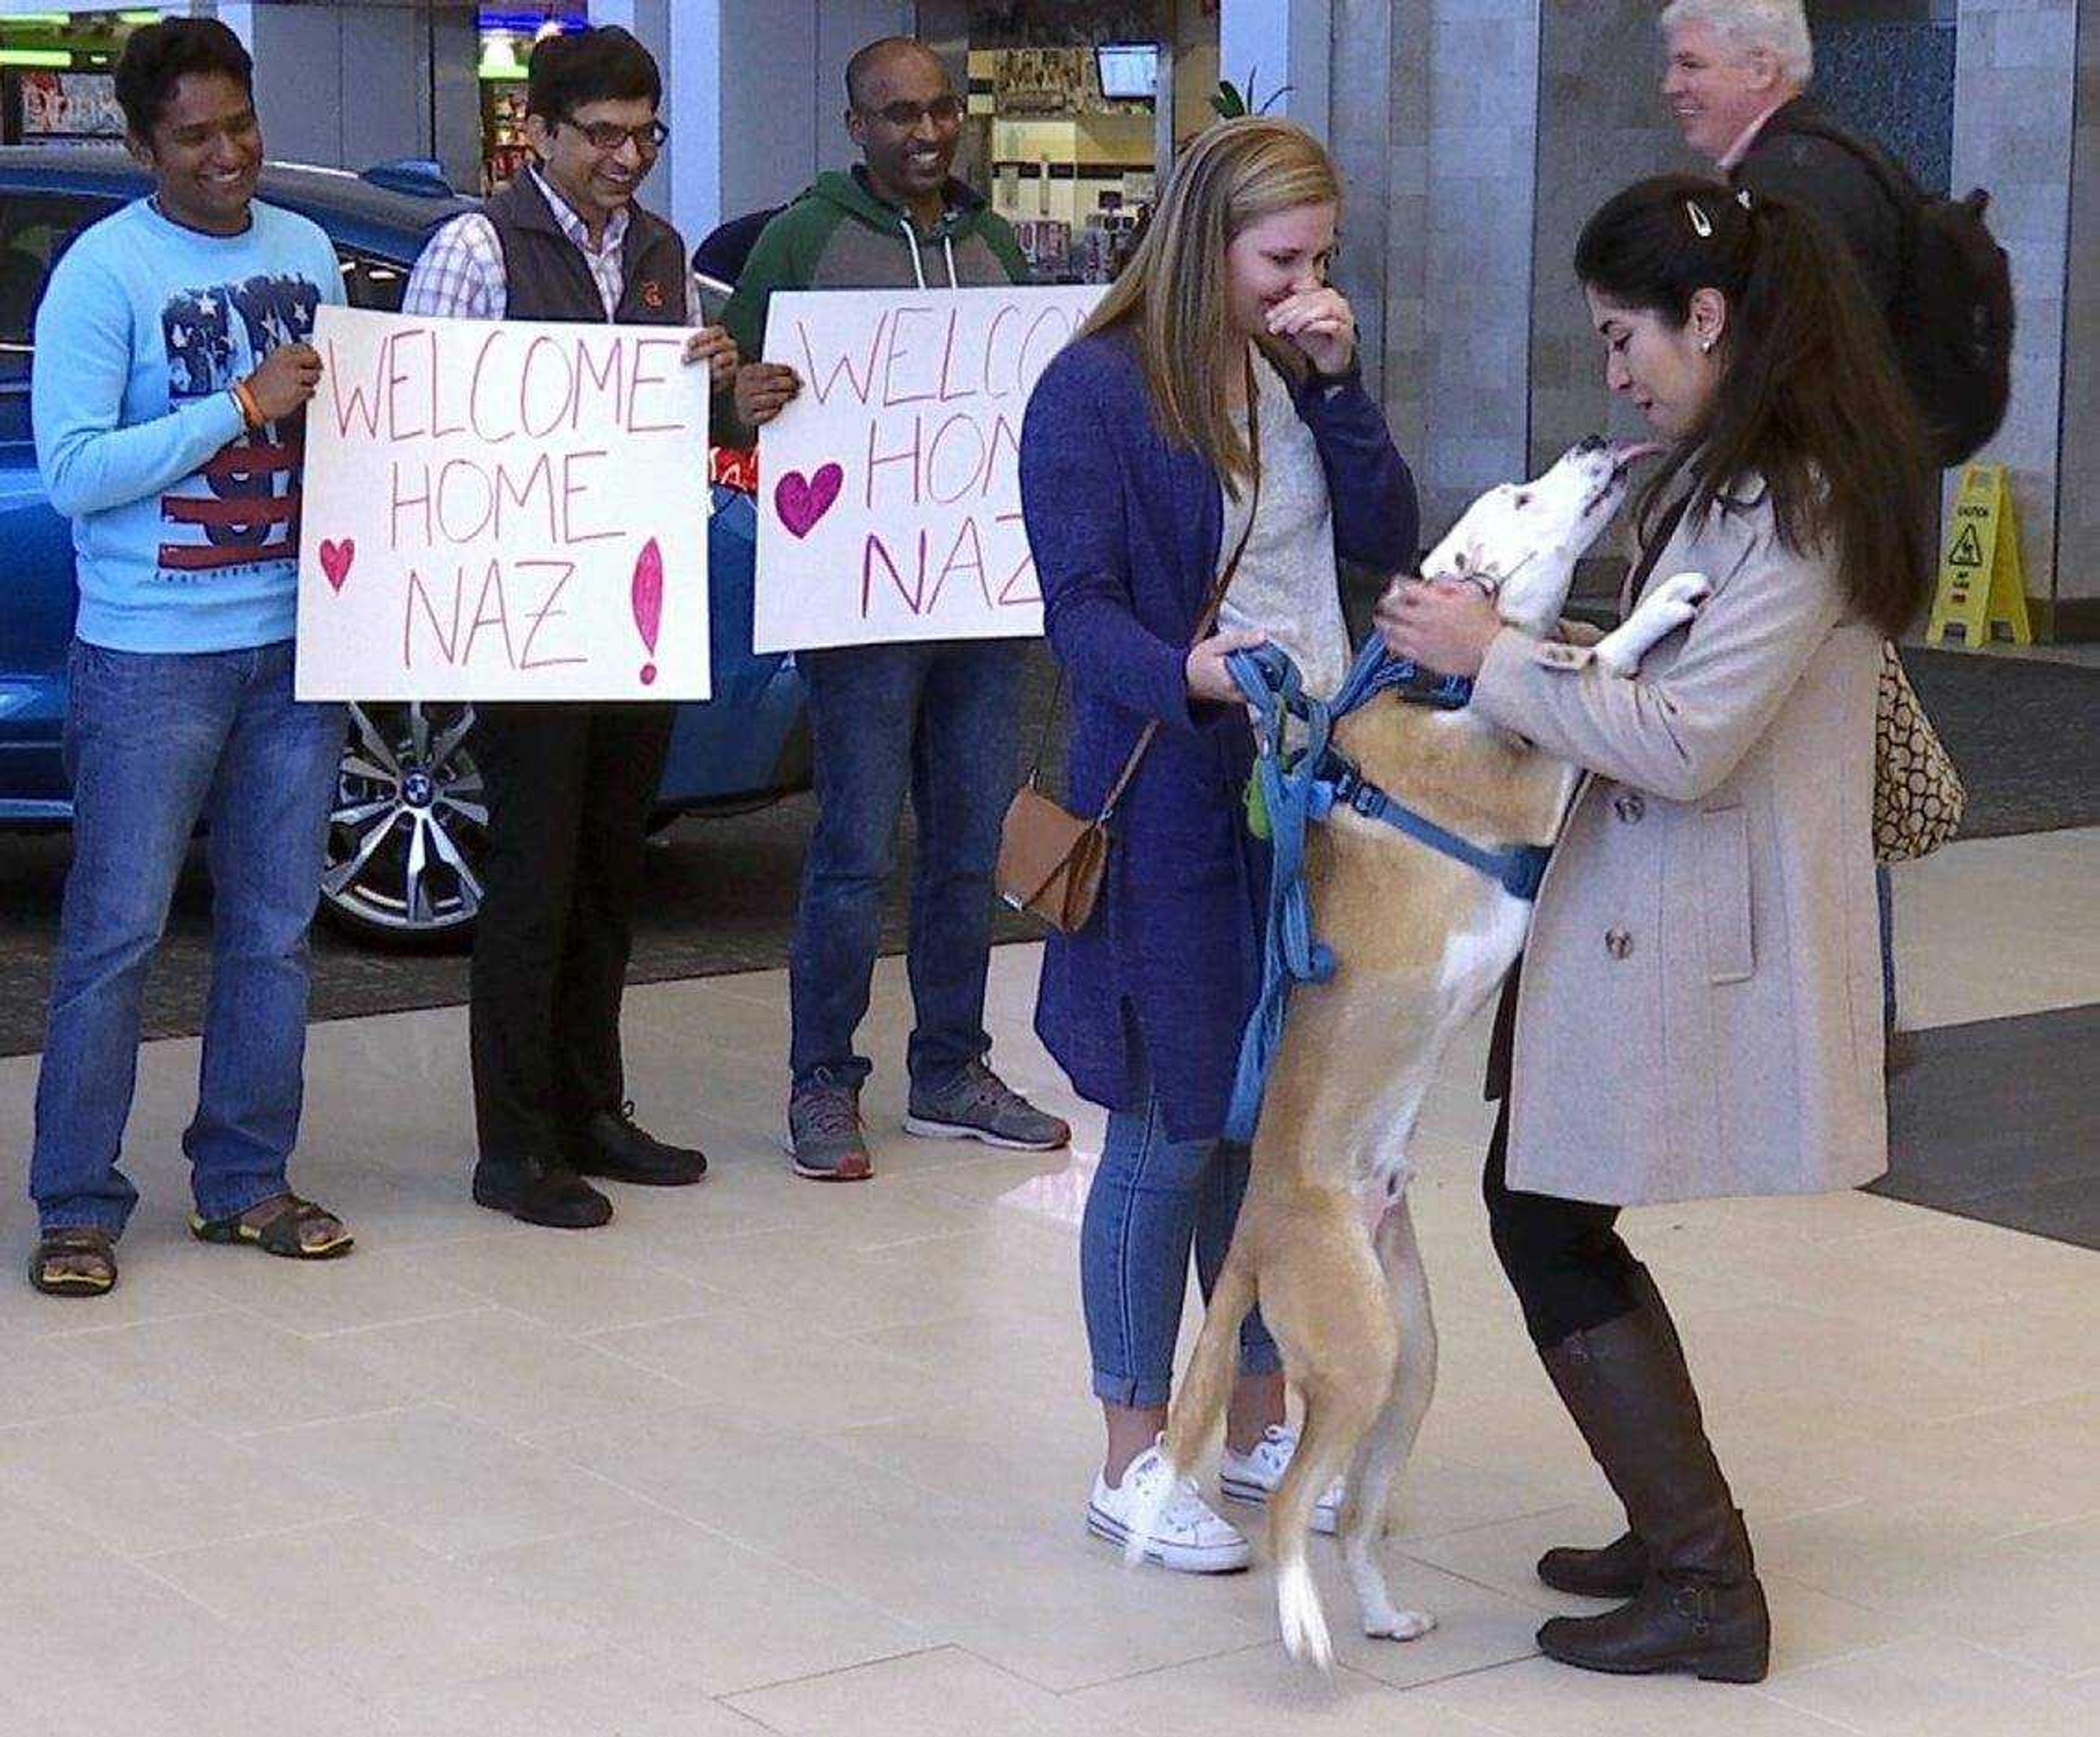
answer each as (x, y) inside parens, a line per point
(1126, 532)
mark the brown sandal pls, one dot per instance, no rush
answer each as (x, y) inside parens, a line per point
(69, 1242)
(279, 1233)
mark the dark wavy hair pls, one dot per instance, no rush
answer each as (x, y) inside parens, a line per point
(607, 64)
(1811, 398)
(157, 57)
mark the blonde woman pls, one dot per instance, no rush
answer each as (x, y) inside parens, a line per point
(1139, 478)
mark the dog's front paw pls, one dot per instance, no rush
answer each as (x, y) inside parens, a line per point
(1399, 1625)
(1667, 607)
(1619, 653)
(1682, 592)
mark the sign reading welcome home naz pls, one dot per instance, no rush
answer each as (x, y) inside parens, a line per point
(890, 493)
(498, 510)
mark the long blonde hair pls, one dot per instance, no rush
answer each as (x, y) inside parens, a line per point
(1172, 293)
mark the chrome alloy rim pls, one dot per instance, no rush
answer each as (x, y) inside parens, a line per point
(410, 823)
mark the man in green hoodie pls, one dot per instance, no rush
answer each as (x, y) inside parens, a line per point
(937, 719)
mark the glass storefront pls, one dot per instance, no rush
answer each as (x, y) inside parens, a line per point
(507, 36)
(1075, 113)
(57, 82)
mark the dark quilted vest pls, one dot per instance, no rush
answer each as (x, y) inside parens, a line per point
(549, 278)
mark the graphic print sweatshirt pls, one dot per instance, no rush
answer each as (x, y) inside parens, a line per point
(185, 526)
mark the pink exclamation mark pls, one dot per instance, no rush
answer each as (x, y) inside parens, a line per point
(646, 598)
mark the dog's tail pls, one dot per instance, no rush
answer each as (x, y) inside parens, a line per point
(1206, 1387)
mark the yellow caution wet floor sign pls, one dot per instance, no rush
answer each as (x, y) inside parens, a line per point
(1982, 591)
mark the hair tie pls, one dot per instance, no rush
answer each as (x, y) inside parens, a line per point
(1743, 197)
(1701, 224)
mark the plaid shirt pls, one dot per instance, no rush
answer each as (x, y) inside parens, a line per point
(461, 274)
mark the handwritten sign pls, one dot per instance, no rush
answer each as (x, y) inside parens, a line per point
(503, 510)
(889, 494)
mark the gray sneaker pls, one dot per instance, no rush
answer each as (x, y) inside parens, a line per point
(977, 1105)
(824, 1135)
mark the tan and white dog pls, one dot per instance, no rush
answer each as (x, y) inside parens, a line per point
(1422, 940)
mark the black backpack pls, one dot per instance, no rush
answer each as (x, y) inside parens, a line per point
(1952, 317)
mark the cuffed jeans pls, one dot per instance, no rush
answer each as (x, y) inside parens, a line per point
(940, 722)
(1152, 1197)
(155, 741)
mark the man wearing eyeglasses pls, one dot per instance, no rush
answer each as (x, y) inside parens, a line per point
(569, 786)
(938, 720)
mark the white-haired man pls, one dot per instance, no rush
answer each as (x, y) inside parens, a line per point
(1737, 85)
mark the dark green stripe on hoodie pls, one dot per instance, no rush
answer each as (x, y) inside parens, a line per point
(839, 235)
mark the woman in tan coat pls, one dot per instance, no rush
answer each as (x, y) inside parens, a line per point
(1699, 1013)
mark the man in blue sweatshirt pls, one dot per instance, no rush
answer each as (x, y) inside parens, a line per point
(169, 407)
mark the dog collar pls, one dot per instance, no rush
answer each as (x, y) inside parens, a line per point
(1421, 687)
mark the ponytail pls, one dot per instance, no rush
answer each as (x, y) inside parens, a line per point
(1811, 398)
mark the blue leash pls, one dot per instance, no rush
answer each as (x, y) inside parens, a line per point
(1293, 790)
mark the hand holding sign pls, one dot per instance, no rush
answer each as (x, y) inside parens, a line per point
(713, 345)
(286, 380)
(516, 504)
(893, 508)
(763, 390)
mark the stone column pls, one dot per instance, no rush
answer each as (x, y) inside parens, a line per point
(2076, 610)
(2016, 73)
(752, 94)
(1433, 109)
(1296, 43)
(1603, 126)
(346, 86)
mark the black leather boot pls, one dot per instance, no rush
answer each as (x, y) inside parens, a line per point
(1620, 1569)
(1617, 1571)
(1701, 1611)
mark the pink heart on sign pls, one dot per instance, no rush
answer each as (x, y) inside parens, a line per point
(800, 502)
(336, 558)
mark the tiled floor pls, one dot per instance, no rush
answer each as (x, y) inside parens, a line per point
(768, 1455)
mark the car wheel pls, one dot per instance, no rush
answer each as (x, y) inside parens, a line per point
(409, 830)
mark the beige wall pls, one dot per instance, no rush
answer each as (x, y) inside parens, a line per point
(2015, 78)
(2078, 493)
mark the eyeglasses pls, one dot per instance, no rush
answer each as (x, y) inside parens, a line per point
(943, 111)
(609, 136)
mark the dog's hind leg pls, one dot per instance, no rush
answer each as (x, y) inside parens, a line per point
(1375, 1478)
(1206, 1387)
(1341, 1405)
(1327, 1304)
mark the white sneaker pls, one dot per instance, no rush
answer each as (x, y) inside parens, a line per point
(1253, 1477)
(1189, 1535)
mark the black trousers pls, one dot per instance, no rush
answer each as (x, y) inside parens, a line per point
(570, 790)
(1565, 1261)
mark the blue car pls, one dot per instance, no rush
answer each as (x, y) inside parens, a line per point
(410, 822)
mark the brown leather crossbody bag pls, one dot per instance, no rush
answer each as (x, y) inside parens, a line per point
(1052, 861)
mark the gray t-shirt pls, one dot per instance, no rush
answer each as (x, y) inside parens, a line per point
(1287, 586)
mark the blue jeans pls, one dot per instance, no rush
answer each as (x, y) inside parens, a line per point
(1151, 1198)
(940, 722)
(153, 742)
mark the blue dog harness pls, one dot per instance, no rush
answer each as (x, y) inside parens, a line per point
(1293, 789)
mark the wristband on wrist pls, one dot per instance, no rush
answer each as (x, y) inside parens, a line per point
(251, 412)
